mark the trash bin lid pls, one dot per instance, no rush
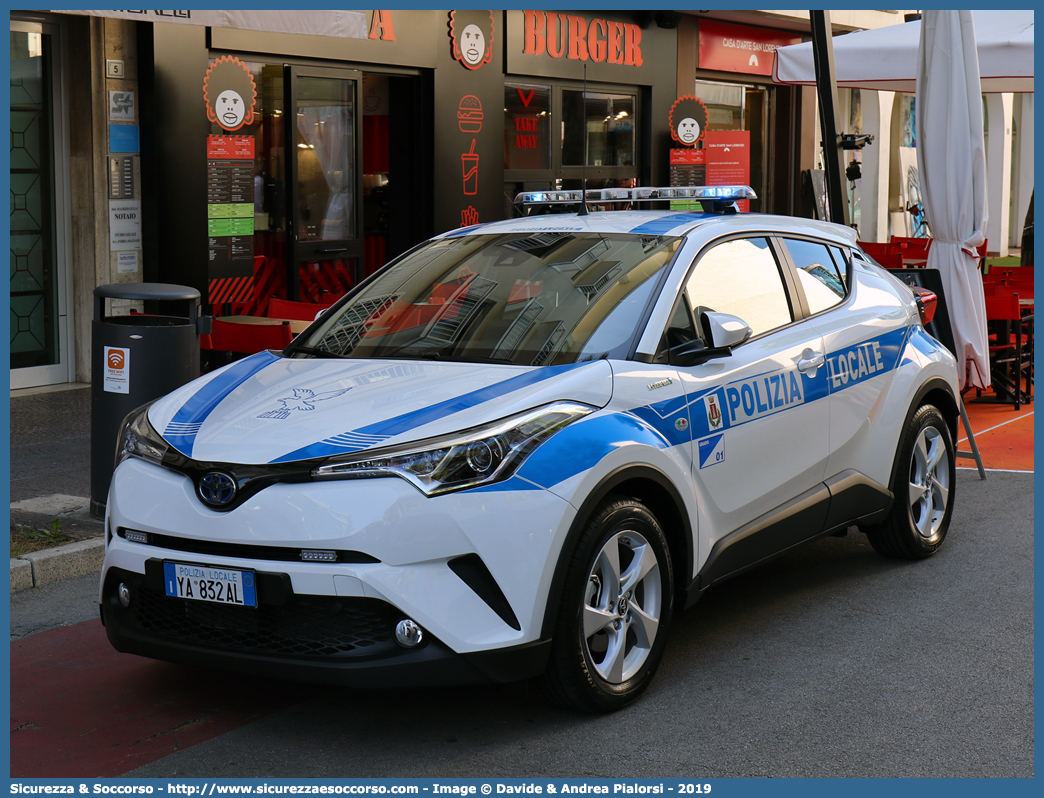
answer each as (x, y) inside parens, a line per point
(147, 291)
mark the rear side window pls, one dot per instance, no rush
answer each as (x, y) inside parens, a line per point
(741, 277)
(822, 276)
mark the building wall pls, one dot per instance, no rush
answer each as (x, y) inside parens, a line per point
(163, 65)
(91, 42)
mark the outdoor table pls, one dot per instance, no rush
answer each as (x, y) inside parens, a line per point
(296, 325)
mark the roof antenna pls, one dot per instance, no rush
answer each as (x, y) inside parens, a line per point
(583, 174)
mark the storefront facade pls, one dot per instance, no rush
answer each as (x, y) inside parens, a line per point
(360, 147)
(357, 139)
(728, 66)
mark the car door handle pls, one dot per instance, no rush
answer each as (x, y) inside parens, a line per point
(810, 361)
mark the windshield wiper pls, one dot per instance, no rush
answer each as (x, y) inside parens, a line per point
(316, 351)
(434, 354)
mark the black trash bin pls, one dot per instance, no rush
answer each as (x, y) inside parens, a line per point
(135, 359)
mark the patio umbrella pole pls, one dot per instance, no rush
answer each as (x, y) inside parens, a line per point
(826, 88)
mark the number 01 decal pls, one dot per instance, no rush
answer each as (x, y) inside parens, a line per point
(712, 450)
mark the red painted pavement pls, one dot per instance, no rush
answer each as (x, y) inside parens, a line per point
(1003, 434)
(80, 709)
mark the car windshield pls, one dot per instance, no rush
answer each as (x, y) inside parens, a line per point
(528, 299)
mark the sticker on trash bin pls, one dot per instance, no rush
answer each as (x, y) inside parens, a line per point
(117, 369)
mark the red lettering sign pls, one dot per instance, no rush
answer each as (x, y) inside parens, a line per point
(230, 147)
(615, 29)
(533, 42)
(556, 35)
(569, 36)
(632, 38)
(739, 48)
(577, 45)
(381, 26)
(596, 45)
(728, 159)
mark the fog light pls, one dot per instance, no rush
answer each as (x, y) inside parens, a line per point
(124, 593)
(134, 536)
(318, 555)
(408, 634)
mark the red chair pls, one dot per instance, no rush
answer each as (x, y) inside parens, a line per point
(289, 309)
(886, 255)
(914, 250)
(237, 339)
(1010, 346)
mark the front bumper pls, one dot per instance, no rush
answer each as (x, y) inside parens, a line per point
(473, 569)
(322, 639)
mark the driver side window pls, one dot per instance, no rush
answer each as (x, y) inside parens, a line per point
(741, 277)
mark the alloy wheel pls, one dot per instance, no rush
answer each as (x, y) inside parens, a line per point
(622, 606)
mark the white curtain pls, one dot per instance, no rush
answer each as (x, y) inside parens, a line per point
(327, 130)
(951, 158)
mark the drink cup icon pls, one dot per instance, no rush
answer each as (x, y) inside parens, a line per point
(469, 168)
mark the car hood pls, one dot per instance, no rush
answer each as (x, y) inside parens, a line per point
(267, 409)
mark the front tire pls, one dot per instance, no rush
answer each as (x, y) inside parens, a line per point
(923, 486)
(616, 605)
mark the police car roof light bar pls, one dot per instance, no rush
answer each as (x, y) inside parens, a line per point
(713, 199)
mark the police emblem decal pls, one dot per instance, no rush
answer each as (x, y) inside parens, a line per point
(714, 419)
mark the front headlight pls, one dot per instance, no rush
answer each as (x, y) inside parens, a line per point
(139, 439)
(479, 456)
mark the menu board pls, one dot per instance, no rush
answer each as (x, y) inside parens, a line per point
(230, 206)
(728, 160)
(688, 167)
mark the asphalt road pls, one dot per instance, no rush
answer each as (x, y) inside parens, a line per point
(827, 662)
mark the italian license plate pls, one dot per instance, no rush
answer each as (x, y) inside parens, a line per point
(209, 583)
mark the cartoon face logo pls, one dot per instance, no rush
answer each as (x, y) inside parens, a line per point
(230, 93)
(471, 34)
(688, 130)
(230, 109)
(688, 120)
(473, 45)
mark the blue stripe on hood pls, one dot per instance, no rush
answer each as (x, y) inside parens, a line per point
(182, 428)
(418, 418)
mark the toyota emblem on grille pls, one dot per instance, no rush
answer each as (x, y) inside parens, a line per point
(217, 488)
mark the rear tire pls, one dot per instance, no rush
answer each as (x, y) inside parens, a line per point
(616, 605)
(923, 486)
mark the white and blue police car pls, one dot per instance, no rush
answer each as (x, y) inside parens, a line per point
(521, 447)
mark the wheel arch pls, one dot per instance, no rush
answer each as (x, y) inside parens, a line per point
(939, 393)
(935, 392)
(657, 492)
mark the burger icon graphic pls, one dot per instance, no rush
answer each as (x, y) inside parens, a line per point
(469, 115)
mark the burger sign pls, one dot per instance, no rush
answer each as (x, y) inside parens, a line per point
(469, 115)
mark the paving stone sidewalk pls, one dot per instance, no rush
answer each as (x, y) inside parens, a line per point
(51, 480)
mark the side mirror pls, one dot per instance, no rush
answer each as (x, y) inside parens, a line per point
(690, 353)
(724, 330)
